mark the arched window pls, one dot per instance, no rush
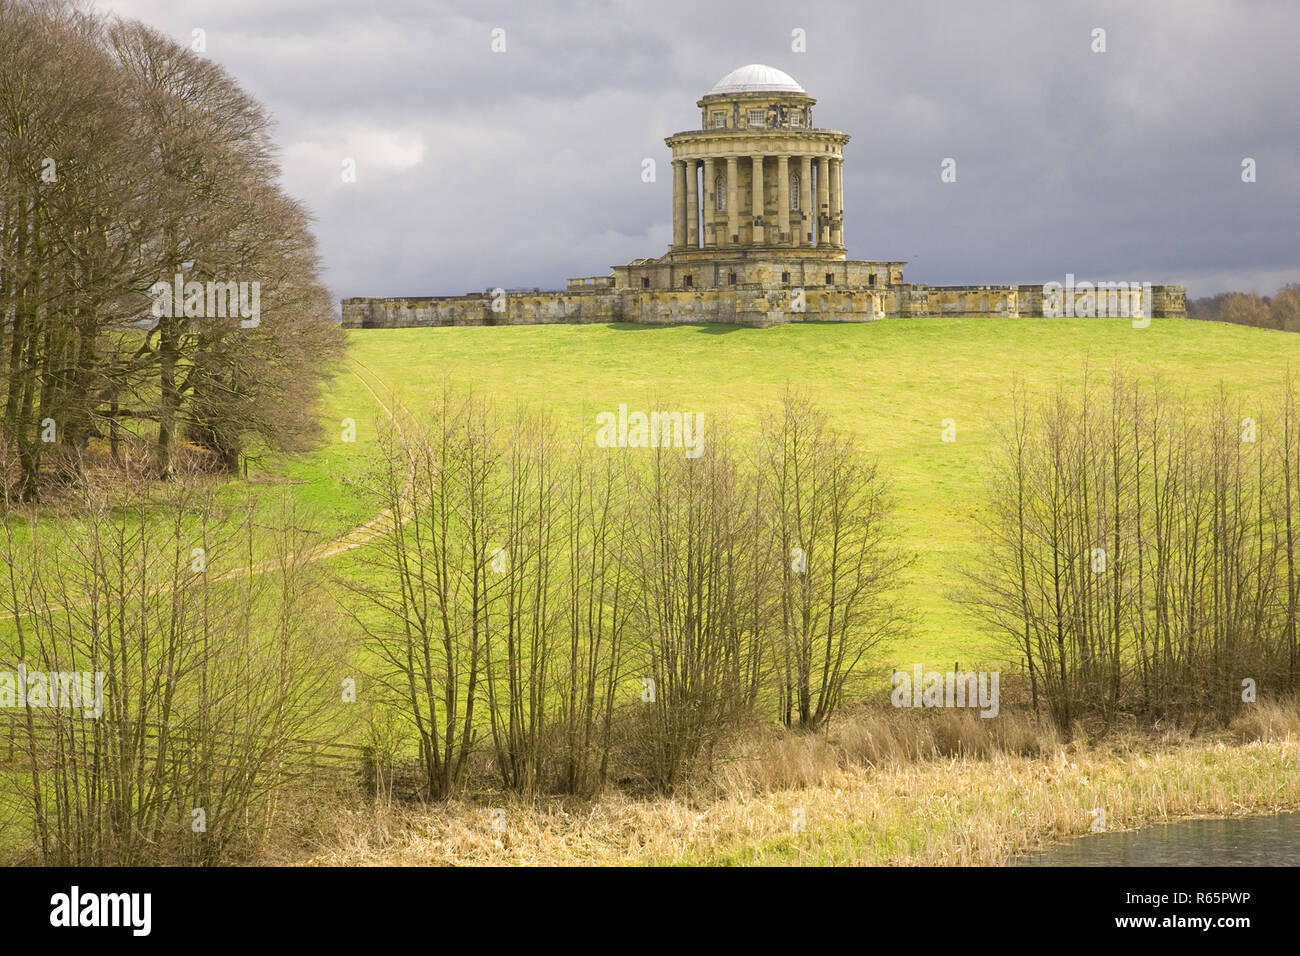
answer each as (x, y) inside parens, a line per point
(794, 192)
(720, 194)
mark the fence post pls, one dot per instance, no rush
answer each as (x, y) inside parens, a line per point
(369, 772)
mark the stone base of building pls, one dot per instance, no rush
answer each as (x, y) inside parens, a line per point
(740, 290)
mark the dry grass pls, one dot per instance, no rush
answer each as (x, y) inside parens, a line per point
(946, 789)
(1267, 720)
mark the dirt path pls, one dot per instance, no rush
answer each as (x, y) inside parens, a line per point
(374, 527)
(363, 533)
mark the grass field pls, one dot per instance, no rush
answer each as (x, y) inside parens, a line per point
(891, 383)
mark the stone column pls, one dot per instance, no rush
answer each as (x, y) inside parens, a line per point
(758, 231)
(807, 215)
(679, 204)
(823, 201)
(692, 204)
(783, 199)
(710, 205)
(837, 202)
(733, 198)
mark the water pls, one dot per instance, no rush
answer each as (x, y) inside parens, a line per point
(1236, 841)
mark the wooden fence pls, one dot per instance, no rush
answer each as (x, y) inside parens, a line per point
(50, 733)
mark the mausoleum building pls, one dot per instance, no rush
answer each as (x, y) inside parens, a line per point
(758, 239)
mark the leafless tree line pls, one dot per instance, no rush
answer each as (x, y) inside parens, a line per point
(1279, 311)
(209, 676)
(1141, 551)
(557, 606)
(125, 160)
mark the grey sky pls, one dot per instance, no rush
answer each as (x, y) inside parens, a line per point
(478, 169)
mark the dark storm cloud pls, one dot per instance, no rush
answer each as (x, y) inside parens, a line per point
(477, 169)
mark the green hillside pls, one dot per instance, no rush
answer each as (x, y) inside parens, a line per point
(892, 383)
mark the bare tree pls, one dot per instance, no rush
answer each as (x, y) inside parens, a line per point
(829, 511)
(172, 689)
(1141, 554)
(126, 160)
(694, 518)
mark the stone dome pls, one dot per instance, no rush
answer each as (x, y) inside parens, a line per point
(756, 78)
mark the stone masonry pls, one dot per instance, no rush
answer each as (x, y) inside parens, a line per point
(758, 239)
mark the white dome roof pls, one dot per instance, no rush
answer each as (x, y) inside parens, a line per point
(756, 78)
